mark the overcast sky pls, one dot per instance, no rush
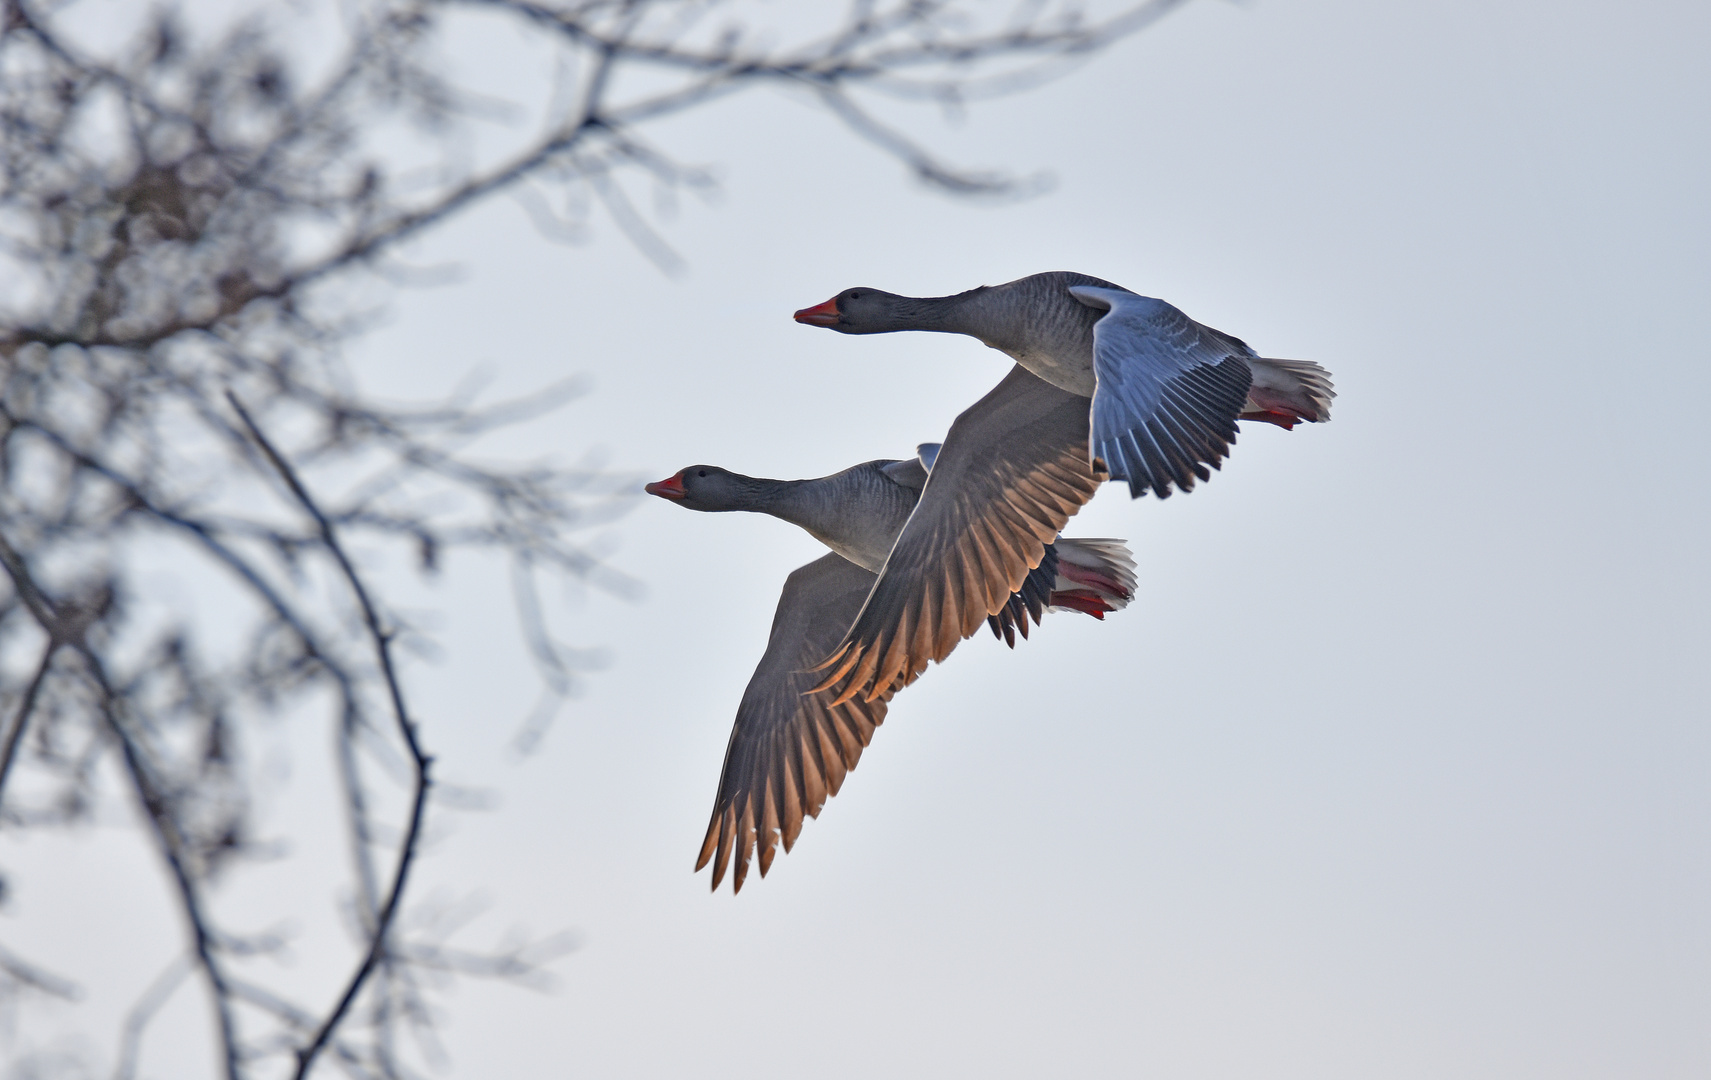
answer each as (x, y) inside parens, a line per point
(1397, 764)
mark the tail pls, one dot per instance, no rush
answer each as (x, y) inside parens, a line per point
(1089, 576)
(1287, 392)
(1093, 576)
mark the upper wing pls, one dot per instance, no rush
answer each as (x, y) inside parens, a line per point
(1012, 470)
(789, 750)
(1168, 391)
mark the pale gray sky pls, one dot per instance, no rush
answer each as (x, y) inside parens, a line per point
(1397, 765)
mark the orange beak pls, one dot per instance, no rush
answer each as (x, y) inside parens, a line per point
(820, 315)
(669, 488)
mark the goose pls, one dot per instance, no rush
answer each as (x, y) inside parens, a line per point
(790, 748)
(1166, 391)
(1107, 384)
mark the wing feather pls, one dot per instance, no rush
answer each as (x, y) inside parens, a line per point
(1145, 353)
(1012, 471)
(789, 752)
(1010, 474)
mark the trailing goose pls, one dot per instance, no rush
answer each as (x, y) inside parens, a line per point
(790, 748)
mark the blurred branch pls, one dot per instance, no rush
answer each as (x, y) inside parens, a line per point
(163, 817)
(186, 227)
(63, 626)
(27, 705)
(26, 974)
(143, 1011)
(380, 932)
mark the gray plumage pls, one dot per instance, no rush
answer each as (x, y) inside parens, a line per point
(1011, 473)
(1165, 391)
(790, 747)
(857, 512)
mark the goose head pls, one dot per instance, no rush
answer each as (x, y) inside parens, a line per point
(706, 487)
(862, 311)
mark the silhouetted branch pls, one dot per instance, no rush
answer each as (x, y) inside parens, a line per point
(182, 223)
(156, 995)
(26, 974)
(161, 815)
(382, 641)
(26, 705)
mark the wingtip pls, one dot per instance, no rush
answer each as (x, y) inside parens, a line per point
(709, 842)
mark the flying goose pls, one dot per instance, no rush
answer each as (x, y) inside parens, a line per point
(1166, 391)
(790, 748)
(1107, 384)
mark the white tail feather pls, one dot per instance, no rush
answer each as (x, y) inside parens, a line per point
(1301, 386)
(1106, 567)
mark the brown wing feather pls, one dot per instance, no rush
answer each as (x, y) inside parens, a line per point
(789, 751)
(1011, 473)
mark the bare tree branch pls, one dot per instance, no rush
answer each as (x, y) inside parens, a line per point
(157, 809)
(29, 975)
(186, 223)
(27, 705)
(137, 1020)
(382, 641)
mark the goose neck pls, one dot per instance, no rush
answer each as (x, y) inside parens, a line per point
(958, 314)
(795, 501)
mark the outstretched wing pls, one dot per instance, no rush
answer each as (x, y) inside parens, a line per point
(1011, 472)
(789, 750)
(1168, 391)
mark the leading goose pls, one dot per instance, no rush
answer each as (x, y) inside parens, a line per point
(789, 748)
(1166, 391)
(1165, 396)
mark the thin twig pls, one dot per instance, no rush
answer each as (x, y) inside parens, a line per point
(157, 810)
(15, 733)
(25, 585)
(157, 994)
(382, 641)
(301, 1020)
(28, 974)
